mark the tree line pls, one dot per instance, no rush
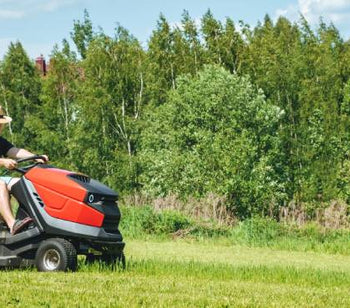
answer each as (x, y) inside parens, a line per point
(260, 116)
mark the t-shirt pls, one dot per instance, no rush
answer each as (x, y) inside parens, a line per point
(4, 146)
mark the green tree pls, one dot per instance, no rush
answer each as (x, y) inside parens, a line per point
(321, 96)
(109, 108)
(20, 90)
(193, 54)
(232, 47)
(161, 62)
(271, 58)
(214, 134)
(56, 116)
(212, 31)
(82, 34)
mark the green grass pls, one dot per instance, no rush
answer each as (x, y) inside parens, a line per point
(189, 273)
(145, 222)
(176, 261)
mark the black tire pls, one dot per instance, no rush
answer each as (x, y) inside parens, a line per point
(56, 254)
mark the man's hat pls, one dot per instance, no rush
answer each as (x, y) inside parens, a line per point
(3, 118)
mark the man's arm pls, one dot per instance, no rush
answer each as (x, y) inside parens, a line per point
(17, 153)
(8, 163)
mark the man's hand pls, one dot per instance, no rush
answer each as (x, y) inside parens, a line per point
(43, 161)
(9, 163)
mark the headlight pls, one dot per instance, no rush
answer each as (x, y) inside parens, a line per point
(91, 198)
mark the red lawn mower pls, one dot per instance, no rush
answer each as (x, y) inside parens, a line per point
(73, 215)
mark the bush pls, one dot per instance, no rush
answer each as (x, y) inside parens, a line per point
(137, 221)
(258, 230)
(172, 221)
(216, 134)
(145, 220)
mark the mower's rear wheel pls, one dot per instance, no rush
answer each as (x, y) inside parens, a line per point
(56, 254)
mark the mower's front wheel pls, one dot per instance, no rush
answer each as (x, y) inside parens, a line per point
(56, 254)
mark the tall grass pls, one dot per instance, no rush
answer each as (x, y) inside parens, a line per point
(145, 221)
(211, 207)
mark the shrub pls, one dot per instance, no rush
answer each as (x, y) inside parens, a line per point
(215, 134)
(258, 230)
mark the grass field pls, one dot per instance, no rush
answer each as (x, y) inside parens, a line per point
(187, 273)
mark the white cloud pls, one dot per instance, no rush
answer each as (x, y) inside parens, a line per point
(21, 8)
(10, 14)
(291, 12)
(326, 4)
(335, 11)
(53, 5)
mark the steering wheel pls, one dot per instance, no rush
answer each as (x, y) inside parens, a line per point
(24, 170)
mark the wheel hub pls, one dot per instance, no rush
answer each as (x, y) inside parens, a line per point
(52, 259)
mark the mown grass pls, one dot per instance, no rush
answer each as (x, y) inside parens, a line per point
(185, 273)
(175, 261)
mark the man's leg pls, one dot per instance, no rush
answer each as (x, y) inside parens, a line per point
(5, 206)
(12, 182)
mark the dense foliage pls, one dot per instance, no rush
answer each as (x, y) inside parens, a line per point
(217, 134)
(259, 116)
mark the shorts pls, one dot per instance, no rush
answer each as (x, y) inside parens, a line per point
(6, 179)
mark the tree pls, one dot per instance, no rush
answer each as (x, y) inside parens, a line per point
(58, 111)
(194, 52)
(212, 31)
(109, 108)
(161, 62)
(321, 96)
(232, 47)
(82, 34)
(20, 90)
(214, 134)
(271, 58)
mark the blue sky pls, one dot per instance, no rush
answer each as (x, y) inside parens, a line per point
(39, 24)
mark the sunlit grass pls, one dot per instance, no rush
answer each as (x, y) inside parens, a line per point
(215, 252)
(188, 274)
